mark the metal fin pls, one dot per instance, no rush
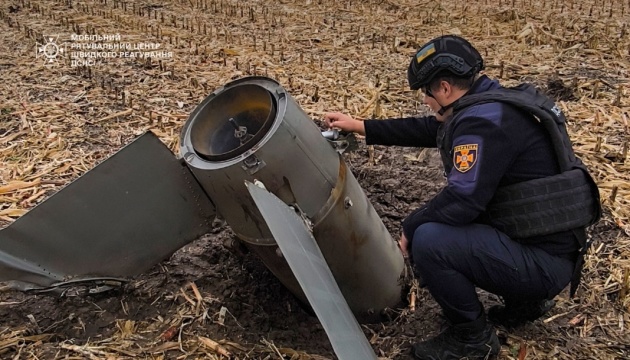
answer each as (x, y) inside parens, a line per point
(119, 219)
(300, 249)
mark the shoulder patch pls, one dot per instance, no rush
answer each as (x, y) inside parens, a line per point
(465, 157)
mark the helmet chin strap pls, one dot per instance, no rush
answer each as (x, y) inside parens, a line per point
(444, 109)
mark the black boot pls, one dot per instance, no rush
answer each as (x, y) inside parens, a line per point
(472, 340)
(514, 313)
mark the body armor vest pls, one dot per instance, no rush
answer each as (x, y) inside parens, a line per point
(561, 202)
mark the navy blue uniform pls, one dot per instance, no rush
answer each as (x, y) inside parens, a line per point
(484, 147)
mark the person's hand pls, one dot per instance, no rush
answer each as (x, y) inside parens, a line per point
(344, 122)
(404, 246)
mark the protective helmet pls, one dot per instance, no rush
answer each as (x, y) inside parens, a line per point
(450, 53)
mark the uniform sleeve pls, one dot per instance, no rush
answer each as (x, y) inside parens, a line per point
(414, 131)
(481, 153)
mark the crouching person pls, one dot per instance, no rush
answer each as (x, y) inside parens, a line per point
(511, 219)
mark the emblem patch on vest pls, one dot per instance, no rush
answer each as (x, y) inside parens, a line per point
(465, 157)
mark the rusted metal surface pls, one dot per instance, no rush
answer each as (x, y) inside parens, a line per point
(315, 277)
(357, 245)
(298, 165)
(119, 219)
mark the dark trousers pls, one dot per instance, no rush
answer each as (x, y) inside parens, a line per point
(453, 260)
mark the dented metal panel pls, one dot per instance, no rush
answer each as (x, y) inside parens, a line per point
(119, 219)
(311, 270)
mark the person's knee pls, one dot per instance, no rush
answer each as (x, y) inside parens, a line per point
(426, 242)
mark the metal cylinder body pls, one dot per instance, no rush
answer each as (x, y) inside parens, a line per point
(252, 129)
